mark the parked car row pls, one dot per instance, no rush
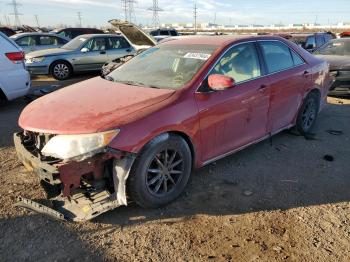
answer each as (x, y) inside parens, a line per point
(14, 79)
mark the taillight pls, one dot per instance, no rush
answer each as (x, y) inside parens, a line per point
(15, 57)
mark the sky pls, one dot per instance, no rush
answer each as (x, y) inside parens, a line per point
(264, 12)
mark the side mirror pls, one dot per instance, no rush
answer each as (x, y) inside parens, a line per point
(220, 82)
(85, 50)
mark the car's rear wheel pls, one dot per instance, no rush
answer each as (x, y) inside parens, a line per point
(161, 172)
(308, 113)
(61, 70)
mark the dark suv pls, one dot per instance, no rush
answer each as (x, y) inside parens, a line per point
(7, 31)
(164, 32)
(310, 42)
(74, 32)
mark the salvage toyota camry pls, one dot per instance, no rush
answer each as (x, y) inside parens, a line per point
(136, 135)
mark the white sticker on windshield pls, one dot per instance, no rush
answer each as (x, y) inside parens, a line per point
(200, 56)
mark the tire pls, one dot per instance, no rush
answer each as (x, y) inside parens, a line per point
(308, 114)
(61, 70)
(150, 185)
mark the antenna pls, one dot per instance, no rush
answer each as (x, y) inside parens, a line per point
(155, 8)
(79, 18)
(15, 13)
(36, 17)
(195, 17)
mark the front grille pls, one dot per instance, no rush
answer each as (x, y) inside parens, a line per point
(35, 142)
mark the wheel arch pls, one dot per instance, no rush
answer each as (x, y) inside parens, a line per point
(188, 141)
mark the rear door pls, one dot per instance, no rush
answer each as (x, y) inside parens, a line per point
(117, 47)
(288, 77)
(232, 118)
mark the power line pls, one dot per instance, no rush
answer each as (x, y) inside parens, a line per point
(15, 13)
(195, 17)
(79, 18)
(155, 8)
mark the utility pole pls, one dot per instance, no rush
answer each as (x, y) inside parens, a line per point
(195, 17)
(155, 8)
(15, 13)
(36, 17)
(79, 18)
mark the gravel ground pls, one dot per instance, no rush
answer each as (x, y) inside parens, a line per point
(270, 202)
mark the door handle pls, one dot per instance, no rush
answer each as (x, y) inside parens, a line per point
(262, 87)
(103, 52)
(128, 50)
(306, 73)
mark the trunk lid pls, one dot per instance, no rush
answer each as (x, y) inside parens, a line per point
(135, 35)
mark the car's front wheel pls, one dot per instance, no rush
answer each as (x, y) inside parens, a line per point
(160, 173)
(61, 70)
(308, 113)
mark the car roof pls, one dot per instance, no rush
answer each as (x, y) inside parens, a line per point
(218, 40)
(33, 33)
(93, 35)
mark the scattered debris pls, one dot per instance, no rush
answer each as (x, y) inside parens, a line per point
(334, 132)
(328, 158)
(310, 136)
(290, 181)
(247, 192)
(280, 147)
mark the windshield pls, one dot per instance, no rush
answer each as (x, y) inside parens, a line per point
(164, 66)
(75, 43)
(337, 47)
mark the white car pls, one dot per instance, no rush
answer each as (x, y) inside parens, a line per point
(14, 79)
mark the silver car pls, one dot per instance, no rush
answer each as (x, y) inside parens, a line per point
(82, 54)
(30, 42)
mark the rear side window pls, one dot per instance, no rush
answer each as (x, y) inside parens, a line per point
(241, 63)
(173, 33)
(59, 41)
(277, 56)
(117, 43)
(296, 58)
(27, 41)
(319, 40)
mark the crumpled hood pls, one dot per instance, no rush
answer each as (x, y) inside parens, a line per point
(48, 52)
(90, 106)
(336, 62)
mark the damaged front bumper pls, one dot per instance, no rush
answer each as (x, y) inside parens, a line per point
(77, 190)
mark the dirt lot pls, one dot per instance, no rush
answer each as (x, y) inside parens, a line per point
(279, 202)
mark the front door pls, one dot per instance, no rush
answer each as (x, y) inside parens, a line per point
(232, 118)
(94, 55)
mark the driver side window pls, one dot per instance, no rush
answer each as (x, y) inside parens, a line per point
(241, 63)
(96, 44)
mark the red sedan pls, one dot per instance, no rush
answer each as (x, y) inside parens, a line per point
(179, 105)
